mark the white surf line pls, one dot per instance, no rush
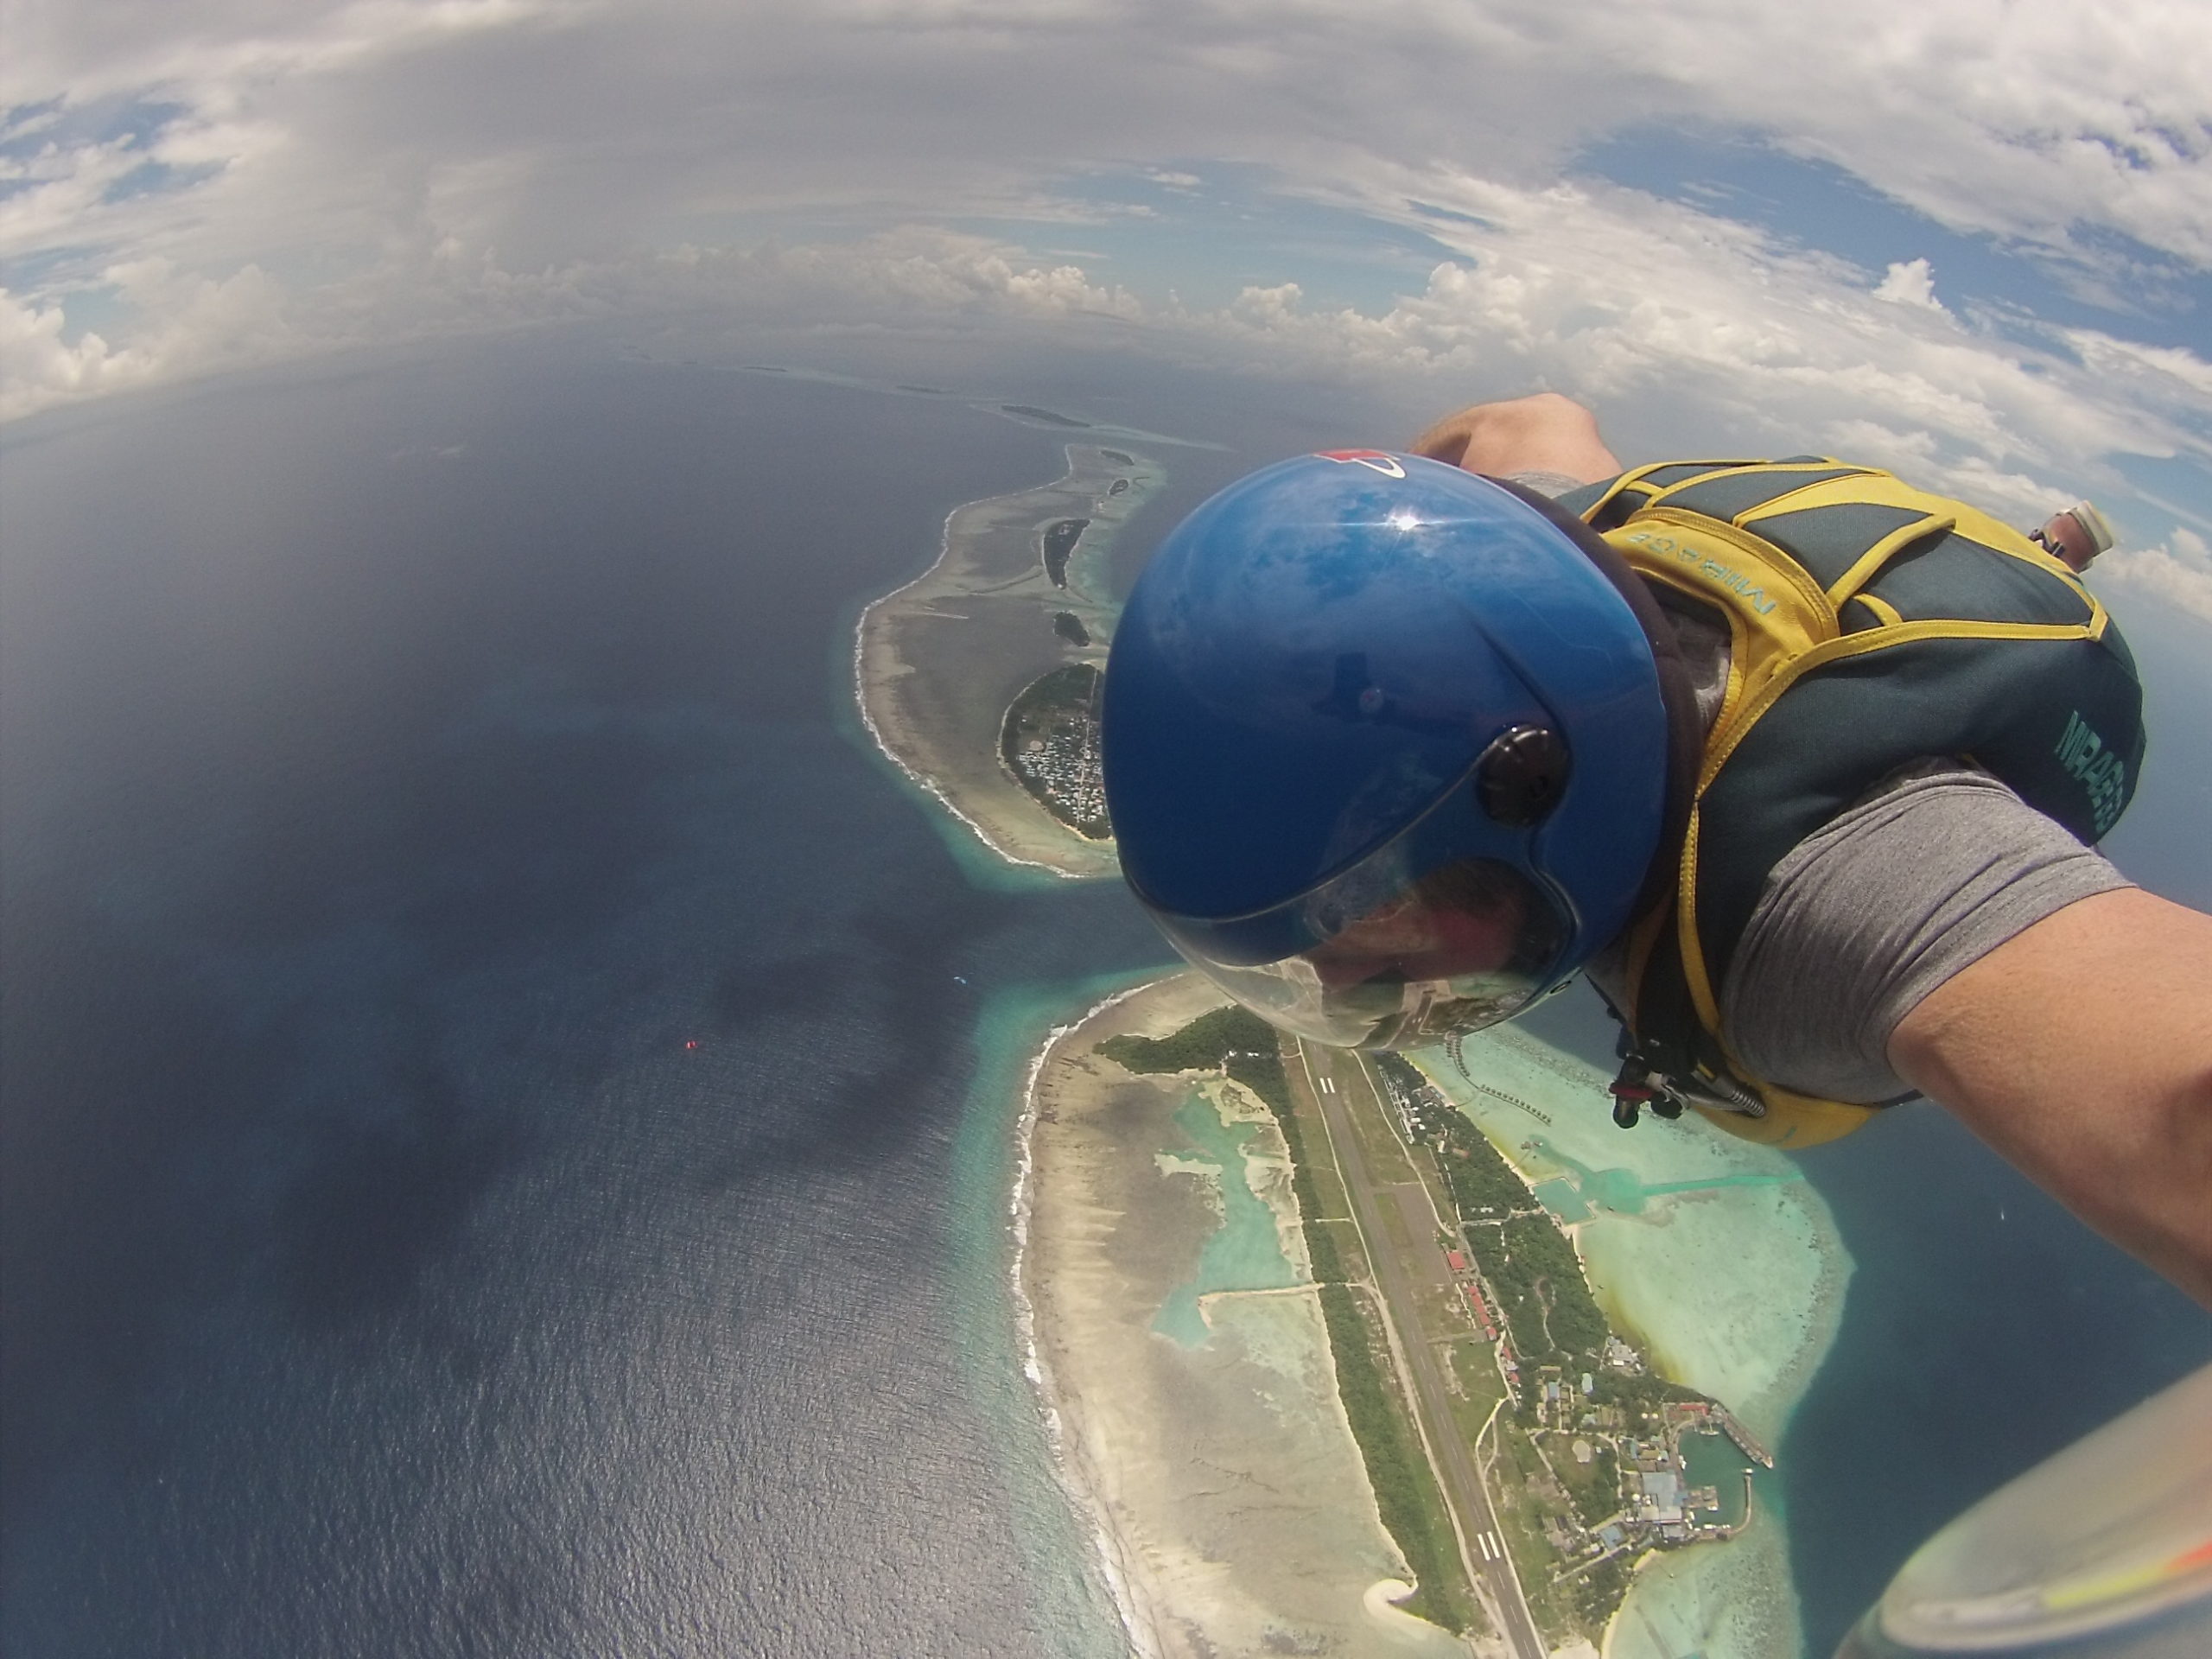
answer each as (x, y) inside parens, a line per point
(1144, 1639)
(875, 733)
(860, 680)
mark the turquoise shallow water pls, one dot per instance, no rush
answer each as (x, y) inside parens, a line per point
(1584, 1190)
(1243, 1253)
(1711, 1461)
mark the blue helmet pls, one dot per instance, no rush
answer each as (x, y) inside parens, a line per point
(1385, 750)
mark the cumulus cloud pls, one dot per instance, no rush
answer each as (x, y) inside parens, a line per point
(1910, 283)
(240, 181)
(197, 325)
(1691, 333)
(2177, 572)
(914, 277)
(2031, 119)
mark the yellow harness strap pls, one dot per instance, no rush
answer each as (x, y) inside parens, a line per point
(1781, 625)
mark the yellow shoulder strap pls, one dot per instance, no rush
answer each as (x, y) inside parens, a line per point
(1780, 622)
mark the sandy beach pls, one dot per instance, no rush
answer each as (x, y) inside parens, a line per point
(1178, 1345)
(1713, 1254)
(937, 662)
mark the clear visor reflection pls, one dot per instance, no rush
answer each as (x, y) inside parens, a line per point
(1464, 947)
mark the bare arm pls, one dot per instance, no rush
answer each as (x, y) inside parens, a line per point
(2081, 1051)
(1545, 433)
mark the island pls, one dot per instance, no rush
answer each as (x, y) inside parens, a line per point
(977, 679)
(1050, 743)
(1520, 1454)
(1050, 417)
(1178, 1337)
(1348, 1353)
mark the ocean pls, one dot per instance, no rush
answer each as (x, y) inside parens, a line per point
(504, 1133)
(489, 1161)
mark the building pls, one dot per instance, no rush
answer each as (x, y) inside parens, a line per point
(1661, 1498)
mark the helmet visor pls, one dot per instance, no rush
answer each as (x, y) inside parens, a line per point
(1398, 964)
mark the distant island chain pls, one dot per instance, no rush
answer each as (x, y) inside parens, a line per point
(1346, 1353)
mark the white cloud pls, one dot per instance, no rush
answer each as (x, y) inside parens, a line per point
(2031, 119)
(1690, 333)
(387, 169)
(2180, 369)
(1910, 283)
(914, 277)
(2178, 572)
(197, 325)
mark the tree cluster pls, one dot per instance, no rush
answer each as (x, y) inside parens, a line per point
(1405, 1489)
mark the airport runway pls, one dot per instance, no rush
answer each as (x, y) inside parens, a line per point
(1341, 1083)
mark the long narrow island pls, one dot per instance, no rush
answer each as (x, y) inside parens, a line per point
(1341, 1353)
(1357, 1354)
(978, 678)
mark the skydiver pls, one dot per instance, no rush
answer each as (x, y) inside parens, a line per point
(1803, 767)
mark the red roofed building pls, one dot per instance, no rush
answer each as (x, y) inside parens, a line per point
(1455, 1262)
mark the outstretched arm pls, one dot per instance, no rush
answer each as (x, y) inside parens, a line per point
(1545, 433)
(2081, 1050)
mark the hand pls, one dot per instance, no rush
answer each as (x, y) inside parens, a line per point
(1545, 433)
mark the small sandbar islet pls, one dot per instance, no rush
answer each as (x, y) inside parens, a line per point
(978, 678)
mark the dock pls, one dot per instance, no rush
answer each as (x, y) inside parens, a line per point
(1724, 1420)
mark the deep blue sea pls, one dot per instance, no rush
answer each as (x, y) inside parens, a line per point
(405, 770)
(502, 1127)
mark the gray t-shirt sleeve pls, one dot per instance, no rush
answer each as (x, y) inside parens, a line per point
(1868, 915)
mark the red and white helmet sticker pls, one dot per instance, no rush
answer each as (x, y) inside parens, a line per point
(1381, 461)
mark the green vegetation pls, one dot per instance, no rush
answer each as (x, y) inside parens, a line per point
(1060, 537)
(1205, 1045)
(1406, 1493)
(1118, 458)
(1541, 1268)
(1597, 1591)
(1640, 1393)
(1483, 1184)
(1236, 1041)
(1049, 741)
(1594, 1488)
(1400, 1069)
(1070, 627)
(1260, 1069)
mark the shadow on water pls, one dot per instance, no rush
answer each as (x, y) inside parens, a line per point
(382, 1200)
(462, 992)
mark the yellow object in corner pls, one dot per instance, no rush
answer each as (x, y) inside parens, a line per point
(1792, 1120)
